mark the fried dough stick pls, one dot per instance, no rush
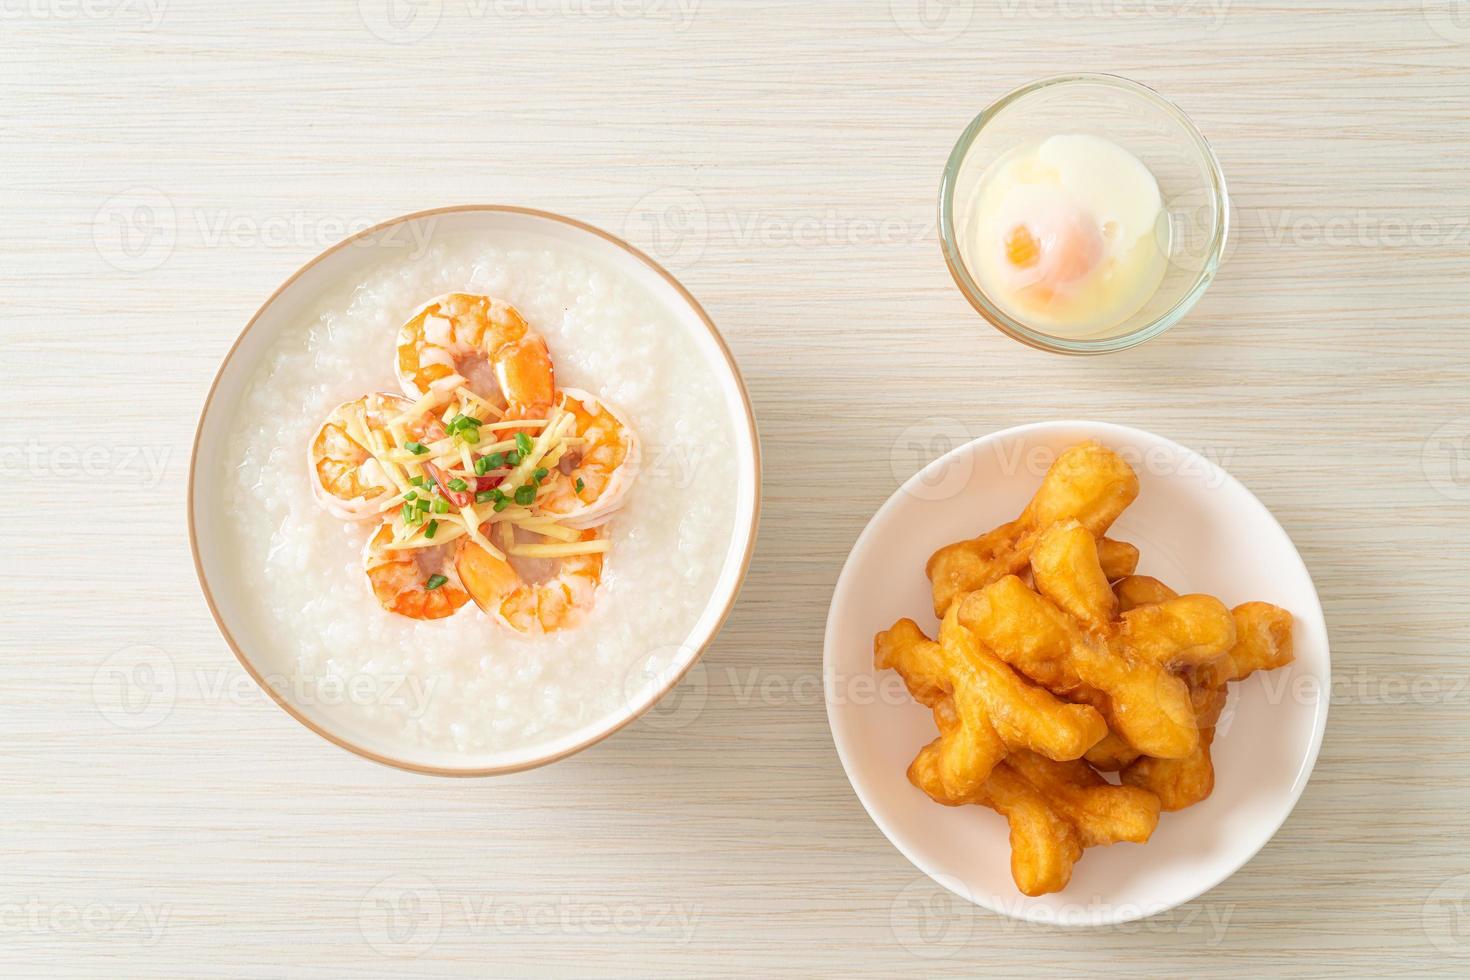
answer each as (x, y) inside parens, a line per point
(1054, 809)
(1068, 640)
(1044, 846)
(1088, 483)
(995, 710)
(1102, 813)
(958, 762)
(1132, 591)
(1263, 642)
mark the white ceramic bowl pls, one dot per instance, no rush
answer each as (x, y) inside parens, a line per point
(225, 583)
(1199, 531)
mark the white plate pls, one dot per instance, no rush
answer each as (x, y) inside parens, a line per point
(1199, 531)
(225, 583)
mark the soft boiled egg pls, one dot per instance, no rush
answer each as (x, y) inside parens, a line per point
(1065, 235)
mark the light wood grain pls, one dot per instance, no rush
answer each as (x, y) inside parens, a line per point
(1329, 373)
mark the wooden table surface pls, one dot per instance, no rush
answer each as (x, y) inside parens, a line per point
(164, 164)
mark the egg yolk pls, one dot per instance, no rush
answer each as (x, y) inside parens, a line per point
(1022, 248)
(1062, 247)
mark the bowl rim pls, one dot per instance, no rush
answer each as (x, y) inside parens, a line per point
(674, 678)
(1041, 340)
(1121, 914)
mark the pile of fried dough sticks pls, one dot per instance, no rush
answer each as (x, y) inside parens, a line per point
(1054, 664)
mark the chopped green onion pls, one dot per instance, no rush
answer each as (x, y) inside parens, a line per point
(434, 582)
(524, 495)
(432, 529)
(417, 448)
(512, 458)
(497, 460)
(441, 506)
(501, 504)
(540, 475)
(418, 481)
(485, 496)
(580, 485)
(467, 427)
(523, 443)
(482, 465)
(458, 484)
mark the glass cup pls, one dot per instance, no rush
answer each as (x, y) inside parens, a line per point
(1195, 217)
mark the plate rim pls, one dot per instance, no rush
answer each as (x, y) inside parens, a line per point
(674, 678)
(1030, 913)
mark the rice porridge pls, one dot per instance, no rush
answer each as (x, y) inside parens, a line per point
(466, 683)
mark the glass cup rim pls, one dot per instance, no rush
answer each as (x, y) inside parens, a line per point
(1014, 328)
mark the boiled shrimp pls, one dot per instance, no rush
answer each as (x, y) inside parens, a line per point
(420, 583)
(537, 587)
(598, 466)
(348, 477)
(483, 344)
